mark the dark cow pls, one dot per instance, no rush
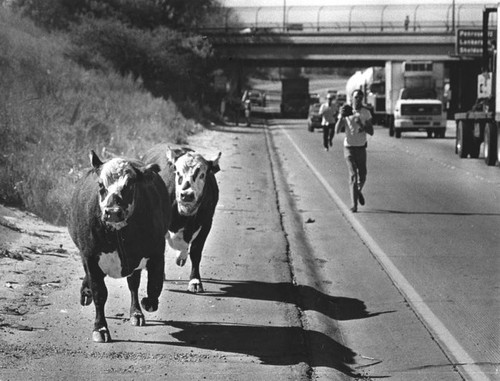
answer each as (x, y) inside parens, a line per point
(120, 213)
(190, 180)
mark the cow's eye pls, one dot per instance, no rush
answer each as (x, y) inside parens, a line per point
(179, 179)
(202, 176)
(102, 189)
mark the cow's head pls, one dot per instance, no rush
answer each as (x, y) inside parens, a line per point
(118, 180)
(191, 171)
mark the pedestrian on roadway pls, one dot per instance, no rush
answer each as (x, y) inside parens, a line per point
(328, 112)
(357, 122)
(248, 111)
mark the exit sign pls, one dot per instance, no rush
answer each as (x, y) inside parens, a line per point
(470, 41)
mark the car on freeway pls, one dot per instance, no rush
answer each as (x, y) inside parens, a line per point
(313, 117)
(256, 97)
(341, 98)
(314, 98)
(332, 93)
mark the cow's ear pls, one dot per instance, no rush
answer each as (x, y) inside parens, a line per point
(152, 167)
(214, 164)
(147, 172)
(94, 160)
(173, 154)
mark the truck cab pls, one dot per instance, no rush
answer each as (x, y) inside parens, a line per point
(413, 97)
(417, 109)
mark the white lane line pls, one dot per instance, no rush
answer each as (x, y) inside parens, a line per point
(461, 357)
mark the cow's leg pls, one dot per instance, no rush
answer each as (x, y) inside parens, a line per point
(94, 280)
(155, 282)
(195, 250)
(85, 292)
(136, 315)
(179, 245)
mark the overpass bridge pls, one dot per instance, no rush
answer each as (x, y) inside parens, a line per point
(333, 49)
(342, 35)
(350, 36)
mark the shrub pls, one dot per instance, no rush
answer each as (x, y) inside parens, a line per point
(53, 111)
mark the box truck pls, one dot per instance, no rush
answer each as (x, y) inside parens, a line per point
(414, 91)
(295, 99)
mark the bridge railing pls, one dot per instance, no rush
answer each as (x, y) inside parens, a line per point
(421, 18)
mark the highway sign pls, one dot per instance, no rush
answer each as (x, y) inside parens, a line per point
(470, 41)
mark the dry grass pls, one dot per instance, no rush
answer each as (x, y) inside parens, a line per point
(53, 112)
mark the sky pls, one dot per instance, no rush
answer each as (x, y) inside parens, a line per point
(258, 3)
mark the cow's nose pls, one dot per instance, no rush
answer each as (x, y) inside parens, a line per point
(187, 196)
(113, 215)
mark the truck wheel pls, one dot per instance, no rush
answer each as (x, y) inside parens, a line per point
(442, 133)
(463, 139)
(397, 132)
(490, 144)
(429, 134)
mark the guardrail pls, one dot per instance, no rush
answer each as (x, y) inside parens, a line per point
(420, 18)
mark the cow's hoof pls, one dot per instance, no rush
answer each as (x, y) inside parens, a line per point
(195, 286)
(137, 320)
(85, 296)
(149, 304)
(180, 261)
(101, 336)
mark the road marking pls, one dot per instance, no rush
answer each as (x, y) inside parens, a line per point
(461, 357)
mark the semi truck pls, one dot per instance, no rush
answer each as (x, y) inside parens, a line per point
(295, 99)
(414, 91)
(480, 125)
(372, 82)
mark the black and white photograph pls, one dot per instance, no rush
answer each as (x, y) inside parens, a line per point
(246, 190)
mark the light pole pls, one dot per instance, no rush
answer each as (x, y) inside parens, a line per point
(284, 16)
(453, 16)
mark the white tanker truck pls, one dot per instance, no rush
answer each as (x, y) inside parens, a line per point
(372, 82)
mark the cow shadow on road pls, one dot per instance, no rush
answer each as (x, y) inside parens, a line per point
(306, 297)
(284, 346)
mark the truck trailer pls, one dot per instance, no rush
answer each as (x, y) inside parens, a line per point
(372, 82)
(414, 90)
(480, 125)
(295, 99)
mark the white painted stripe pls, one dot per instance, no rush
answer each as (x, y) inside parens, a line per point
(461, 357)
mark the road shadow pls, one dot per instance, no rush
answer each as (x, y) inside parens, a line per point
(306, 297)
(282, 346)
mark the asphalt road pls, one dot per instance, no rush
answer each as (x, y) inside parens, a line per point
(296, 287)
(431, 222)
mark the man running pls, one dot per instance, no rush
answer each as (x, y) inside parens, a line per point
(357, 122)
(328, 112)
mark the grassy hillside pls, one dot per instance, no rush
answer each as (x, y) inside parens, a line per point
(52, 112)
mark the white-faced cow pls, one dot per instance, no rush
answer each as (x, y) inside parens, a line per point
(192, 186)
(120, 213)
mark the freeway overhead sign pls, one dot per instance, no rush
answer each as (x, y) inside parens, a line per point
(470, 41)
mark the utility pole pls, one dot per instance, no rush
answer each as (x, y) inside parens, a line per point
(453, 16)
(284, 16)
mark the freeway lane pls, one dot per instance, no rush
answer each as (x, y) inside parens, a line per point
(434, 216)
